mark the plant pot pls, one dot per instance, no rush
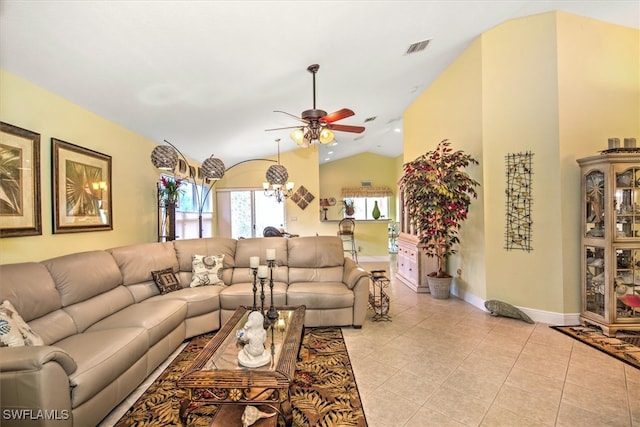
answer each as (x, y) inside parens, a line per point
(439, 287)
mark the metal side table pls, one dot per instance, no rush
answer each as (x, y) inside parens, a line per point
(379, 300)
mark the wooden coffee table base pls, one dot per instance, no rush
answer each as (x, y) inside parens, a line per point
(216, 378)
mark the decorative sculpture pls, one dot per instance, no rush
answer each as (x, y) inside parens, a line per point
(253, 354)
(499, 308)
(252, 414)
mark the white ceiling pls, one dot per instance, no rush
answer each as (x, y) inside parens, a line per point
(207, 75)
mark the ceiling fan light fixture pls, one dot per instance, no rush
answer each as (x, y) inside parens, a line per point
(326, 136)
(297, 136)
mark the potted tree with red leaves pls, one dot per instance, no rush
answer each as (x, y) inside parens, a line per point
(437, 193)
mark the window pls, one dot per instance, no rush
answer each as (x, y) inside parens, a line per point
(187, 223)
(365, 198)
(246, 213)
(364, 207)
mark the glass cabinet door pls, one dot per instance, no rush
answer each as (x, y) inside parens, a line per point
(627, 210)
(627, 284)
(594, 209)
(595, 287)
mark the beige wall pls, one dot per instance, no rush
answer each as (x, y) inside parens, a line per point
(27, 106)
(451, 109)
(557, 85)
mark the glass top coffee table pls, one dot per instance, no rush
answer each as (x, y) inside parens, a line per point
(216, 377)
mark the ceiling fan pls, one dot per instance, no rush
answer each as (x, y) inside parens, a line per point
(318, 124)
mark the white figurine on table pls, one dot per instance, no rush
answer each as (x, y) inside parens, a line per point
(253, 354)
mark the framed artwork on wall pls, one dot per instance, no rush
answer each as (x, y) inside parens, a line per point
(20, 211)
(81, 189)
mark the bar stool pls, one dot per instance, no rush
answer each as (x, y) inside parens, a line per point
(346, 229)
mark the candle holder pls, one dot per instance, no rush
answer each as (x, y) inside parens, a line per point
(254, 272)
(272, 314)
(262, 280)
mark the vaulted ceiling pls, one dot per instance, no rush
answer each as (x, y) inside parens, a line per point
(208, 75)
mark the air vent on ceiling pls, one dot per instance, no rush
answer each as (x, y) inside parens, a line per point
(369, 119)
(365, 183)
(417, 47)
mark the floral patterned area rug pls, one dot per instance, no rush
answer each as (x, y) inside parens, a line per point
(624, 346)
(324, 391)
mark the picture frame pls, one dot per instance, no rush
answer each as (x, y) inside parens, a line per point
(81, 189)
(20, 192)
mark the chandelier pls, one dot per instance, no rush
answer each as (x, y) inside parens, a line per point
(165, 157)
(277, 185)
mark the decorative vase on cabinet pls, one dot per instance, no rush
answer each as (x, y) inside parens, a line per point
(610, 234)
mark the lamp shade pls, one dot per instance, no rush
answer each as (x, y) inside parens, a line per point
(326, 136)
(164, 157)
(277, 174)
(213, 168)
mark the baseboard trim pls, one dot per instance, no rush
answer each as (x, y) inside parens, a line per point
(540, 316)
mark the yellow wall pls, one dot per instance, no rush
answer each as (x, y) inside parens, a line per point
(27, 106)
(557, 85)
(451, 109)
(598, 98)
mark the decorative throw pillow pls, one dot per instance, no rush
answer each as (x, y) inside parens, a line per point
(14, 331)
(166, 280)
(207, 270)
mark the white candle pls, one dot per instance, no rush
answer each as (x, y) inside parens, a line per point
(271, 254)
(254, 261)
(262, 271)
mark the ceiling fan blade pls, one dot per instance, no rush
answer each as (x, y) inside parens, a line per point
(291, 115)
(346, 128)
(337, 115)
(287, 127)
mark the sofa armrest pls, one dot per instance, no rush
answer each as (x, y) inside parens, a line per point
(34, 358)
(352, 273)
(34, 381)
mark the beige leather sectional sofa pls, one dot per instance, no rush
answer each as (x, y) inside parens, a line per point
(106, 327)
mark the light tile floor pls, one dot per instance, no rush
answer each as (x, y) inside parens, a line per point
(447, 363)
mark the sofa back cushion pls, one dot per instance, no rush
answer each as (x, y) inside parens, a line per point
(247, 248)
(137, 262)
(83, 275)
(185, 249)
(316, 259)
(30, 288)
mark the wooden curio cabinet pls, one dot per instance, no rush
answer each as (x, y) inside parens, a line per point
(413, 264)
(610, 241)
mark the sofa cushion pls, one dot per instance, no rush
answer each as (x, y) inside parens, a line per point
(200, 300)
(158, 318)
(210, 246)
(101, 357)
(315, 252)
(30, 288)
(206, 270)
(320, 295)
(86, 313)
(14, 332)
(83, 275)
(138, 261)
(258, 246)
(166, 281)
(241, 294)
